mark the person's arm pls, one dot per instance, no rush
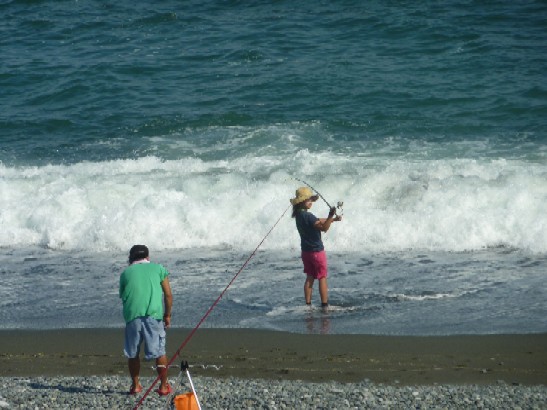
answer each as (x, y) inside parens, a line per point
(323, 224)
(168, 301)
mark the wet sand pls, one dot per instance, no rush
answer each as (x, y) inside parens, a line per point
(259, 354)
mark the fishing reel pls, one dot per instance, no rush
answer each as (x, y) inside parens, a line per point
(339, 206)
(338, 209)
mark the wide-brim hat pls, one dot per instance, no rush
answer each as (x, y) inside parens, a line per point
(303, 194)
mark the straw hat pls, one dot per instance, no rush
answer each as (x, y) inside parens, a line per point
(302, 194)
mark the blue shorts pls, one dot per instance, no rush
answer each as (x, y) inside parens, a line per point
(148, 330)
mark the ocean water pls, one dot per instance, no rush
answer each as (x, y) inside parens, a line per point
(188, 127)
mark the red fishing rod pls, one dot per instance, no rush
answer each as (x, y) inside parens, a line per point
(191, 334)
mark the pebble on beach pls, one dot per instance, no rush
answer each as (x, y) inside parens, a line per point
(111, 392)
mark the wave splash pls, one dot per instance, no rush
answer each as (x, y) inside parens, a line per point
(390, 205)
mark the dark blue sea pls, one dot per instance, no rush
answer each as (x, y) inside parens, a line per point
(186, 126)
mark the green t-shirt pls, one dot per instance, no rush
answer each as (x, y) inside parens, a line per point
(141, 291)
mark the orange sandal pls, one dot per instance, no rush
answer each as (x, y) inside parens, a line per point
(165, 392)
(135, 389)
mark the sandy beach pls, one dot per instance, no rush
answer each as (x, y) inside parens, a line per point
(251, 354)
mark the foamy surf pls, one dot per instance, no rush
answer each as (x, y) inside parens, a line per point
(389, 205)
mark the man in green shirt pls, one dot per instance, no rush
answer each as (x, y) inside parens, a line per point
(147, 300)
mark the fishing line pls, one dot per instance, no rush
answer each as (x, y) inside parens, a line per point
(191, 334)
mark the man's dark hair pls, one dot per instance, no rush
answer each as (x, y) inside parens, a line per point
(138, 252)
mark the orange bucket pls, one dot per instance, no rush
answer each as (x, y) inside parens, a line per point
(186, 401)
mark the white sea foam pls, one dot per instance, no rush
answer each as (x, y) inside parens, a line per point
(420, 298)
(451, 204)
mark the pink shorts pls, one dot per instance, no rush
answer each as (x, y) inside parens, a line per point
(315, 264)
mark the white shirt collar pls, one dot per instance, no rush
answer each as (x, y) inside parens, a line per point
(141, 261)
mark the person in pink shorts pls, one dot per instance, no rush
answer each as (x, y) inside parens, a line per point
(313, 252)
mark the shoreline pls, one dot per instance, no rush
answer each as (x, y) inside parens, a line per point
(519, 359)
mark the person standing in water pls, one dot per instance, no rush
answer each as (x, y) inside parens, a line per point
(313, 252)
(147, 300)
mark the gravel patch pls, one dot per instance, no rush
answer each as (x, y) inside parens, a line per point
(111, 393)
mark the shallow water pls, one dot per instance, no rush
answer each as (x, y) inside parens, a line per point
(434, 293)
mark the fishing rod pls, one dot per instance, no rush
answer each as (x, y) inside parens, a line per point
(204, 317)
(339, 204)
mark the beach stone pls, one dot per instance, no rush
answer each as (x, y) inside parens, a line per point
(84, 393)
